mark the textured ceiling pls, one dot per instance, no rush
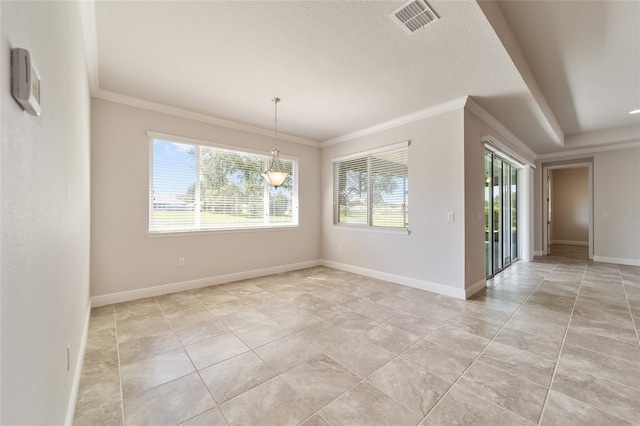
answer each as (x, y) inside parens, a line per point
(343, 66)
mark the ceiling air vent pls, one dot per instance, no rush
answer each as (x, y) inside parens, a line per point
(414, 15)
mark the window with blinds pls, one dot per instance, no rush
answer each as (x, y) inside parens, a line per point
(371, 188)
(196, 187)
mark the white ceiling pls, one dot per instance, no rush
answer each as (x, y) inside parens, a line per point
(550, 69)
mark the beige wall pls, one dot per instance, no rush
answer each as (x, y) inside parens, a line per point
(125, 259)
(433, 253)
(617, 206)
(44, 214)
(570, 206)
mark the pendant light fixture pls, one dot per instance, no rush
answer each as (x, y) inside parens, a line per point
(274, 175)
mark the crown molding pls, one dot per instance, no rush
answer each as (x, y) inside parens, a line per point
(399, 121)
(88, 14)
(592, 150)
(191, 115)
(493, 122)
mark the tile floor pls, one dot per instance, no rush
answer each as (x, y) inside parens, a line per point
(553, 341)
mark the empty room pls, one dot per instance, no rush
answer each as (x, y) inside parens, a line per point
(320, 213)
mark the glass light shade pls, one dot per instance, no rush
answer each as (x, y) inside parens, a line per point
(275, 178)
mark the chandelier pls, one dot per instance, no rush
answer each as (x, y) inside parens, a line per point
(275, 175)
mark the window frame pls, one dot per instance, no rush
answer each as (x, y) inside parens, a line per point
(253, 227)
(367, 155)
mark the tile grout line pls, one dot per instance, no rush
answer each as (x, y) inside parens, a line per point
(230, 331)
(596, 352)
(317, 412)
(590, 349)
(484, 349)
(217, 405)
(115, 323)
(566, 331)
(399, 355)
(190, 360)
(364, 379)
(448, 321)
(188, 356)
(626, 296)
(252, 350)
(279, 374)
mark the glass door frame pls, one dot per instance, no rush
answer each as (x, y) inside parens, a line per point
(502, 195)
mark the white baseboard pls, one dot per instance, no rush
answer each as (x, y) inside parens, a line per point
(538, 253)
(398, 279)
(570, 243)
(126, 296)
(480, 285)
(618, 260)
(75, 387)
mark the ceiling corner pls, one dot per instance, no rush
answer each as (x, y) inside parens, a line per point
(88, 16)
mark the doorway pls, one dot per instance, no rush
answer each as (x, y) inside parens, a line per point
(568, 209)
(501, 213)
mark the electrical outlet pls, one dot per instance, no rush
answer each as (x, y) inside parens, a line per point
(181, 261)
(68, 356)
(451, 216)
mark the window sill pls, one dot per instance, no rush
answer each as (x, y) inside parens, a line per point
(165, 234)
(374, 229)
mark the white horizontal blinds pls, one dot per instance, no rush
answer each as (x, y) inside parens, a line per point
(372, 189)
(172, 184)
(198, 187)
(389, 183)
(232, 188)
(281, 202)
(351, 187)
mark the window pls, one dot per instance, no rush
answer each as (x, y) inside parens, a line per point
(196, 187)
(371, 189)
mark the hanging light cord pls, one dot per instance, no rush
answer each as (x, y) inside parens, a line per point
(275, 127)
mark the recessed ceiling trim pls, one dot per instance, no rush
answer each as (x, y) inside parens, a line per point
(599, 137)
(413, 16)
(584, 151)
(191, 115)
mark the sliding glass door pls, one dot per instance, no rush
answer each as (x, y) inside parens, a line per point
(501, 213)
